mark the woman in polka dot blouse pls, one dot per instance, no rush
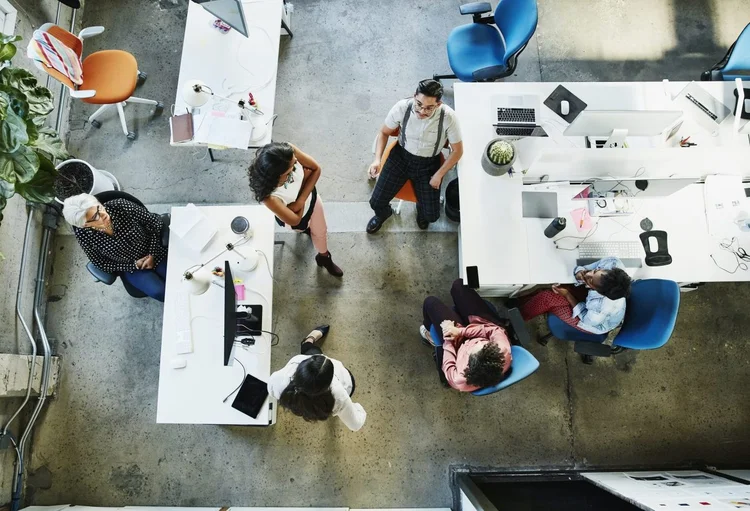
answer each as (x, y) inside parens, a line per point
(121, 237)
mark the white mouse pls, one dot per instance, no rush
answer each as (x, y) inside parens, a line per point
(564, 107)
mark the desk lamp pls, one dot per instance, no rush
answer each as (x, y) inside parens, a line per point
(197, 284)
(196, 94)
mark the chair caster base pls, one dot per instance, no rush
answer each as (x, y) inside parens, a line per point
(96, 124)
(141, 77)
(618, 349)
(132, 135)
(159, 108)
(587, 359)
(544, 339)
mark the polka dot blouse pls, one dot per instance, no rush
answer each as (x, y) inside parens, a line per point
(136, 234)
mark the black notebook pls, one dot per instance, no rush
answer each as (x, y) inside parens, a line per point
(251, 396)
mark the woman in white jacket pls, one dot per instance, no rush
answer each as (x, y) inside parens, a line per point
(316, 387)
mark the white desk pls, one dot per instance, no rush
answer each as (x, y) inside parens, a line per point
(193, 395)
(232, 64)
(510, 251)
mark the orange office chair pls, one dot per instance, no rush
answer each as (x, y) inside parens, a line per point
(109, 76)
(406, 193)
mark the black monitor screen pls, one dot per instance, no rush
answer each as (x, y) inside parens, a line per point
(230, 313)
(228, 11)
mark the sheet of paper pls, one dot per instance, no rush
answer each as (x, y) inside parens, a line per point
(181, 224)
(216, 128)
(725, 204)
(582, 219)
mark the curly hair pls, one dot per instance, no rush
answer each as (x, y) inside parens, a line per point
(270, 162)
(615, 284)
(485, 366)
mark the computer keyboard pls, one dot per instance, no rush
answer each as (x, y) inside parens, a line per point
(629, 252)
(520, 115)
(517, 131)
(183, 320)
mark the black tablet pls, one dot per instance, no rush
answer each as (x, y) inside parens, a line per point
(251, 396)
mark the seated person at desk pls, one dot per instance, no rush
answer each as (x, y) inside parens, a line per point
(283, 178)
(471, 357)
(120, 237)
(315, 387)
(598, 310)
(424, 124)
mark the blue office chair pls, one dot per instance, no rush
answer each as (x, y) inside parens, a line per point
(735, 64)
(523, 364)
(109, 278)
(650, 316)
(488, 48)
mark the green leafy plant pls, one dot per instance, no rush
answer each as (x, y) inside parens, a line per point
(27, 146)
(501, 152)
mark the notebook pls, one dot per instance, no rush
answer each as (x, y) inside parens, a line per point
(181, 127)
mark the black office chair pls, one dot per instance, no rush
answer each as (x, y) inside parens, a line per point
(109, 278)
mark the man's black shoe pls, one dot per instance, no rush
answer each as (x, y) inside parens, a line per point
(422, 223)
(376, 223)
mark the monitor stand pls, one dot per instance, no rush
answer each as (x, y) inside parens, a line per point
(616, 140)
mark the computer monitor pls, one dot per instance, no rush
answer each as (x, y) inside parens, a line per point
(618, 124)
(228, 11)
(230, 313)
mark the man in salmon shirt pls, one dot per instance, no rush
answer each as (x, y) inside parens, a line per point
(468, 357)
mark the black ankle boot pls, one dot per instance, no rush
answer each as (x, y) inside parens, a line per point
(325, 261)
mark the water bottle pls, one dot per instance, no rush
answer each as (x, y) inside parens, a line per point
(554, 228)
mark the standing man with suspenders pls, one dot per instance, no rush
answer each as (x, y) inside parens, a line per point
(423, 124)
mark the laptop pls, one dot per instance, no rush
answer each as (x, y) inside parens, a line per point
(517, 116)
(539, 204)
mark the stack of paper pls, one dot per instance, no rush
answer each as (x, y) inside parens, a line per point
(193, 228)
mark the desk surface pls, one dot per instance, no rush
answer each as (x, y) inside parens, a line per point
(193, 395)
(232, 64)
(510, 251)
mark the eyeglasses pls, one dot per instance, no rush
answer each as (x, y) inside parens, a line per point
(419, 107)
(97, 215)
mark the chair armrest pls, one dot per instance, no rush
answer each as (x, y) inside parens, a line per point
(166, 219)
(89, 93)
(100, 275)
(520, 328)
(475, 8)
(594, 349)
(90, 32)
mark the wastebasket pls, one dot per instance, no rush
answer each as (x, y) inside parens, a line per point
(452, 204)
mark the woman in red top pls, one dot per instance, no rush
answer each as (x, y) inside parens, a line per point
(468, 357)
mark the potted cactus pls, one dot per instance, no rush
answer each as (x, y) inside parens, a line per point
(498, 157)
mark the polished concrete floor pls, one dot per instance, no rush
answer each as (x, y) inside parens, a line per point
(348, 62)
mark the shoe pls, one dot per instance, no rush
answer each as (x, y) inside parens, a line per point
(318, 334)
(422, 223)
(326, 262)
(426, 337)
(376, 223)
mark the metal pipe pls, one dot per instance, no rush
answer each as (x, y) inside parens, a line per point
(49, 221)
(19, 313)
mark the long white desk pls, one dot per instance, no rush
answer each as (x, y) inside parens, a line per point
(231, 64)
(510, 251)
(194, 394)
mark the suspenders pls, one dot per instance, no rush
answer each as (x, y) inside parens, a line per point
(402, 135)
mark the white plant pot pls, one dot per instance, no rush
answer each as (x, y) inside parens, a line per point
(103, 181)
(493, 168)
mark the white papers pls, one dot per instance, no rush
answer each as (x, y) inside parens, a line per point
(193, 228)
(725, 203)
(216, 128)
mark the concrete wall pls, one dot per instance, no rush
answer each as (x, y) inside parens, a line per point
(31, 14)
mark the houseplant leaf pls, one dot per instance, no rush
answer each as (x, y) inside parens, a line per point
(7, 190)
(13, 133)
(48, 141)
(17, 100)
(20, 166)
(7, 52)
(5, 39)
(41, 188)
(40, 104)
